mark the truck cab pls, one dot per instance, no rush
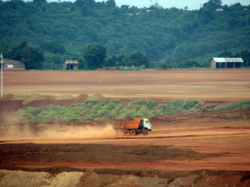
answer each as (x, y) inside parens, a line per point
(145, 123)
(145, 126)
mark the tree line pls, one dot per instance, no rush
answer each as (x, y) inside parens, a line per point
(95, 56)
(141, 37)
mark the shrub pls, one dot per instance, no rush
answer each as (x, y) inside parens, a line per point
(192, 103)
(151, 104)
(238, 105)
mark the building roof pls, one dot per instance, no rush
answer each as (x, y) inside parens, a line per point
(10, 61)
(71, 62)
(223, 60)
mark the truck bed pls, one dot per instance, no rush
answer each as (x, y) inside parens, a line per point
(134, 124)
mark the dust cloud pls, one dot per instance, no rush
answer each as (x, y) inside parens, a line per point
(58, 132)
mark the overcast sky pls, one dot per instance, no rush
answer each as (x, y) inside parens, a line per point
(193, 4)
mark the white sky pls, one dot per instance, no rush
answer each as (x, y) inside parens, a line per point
(192, 4)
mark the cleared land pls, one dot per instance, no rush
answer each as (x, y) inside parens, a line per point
(205, 149)
(209, 148)
(210, 140)
(226, 85)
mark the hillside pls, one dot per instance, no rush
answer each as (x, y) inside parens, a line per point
(156, 32)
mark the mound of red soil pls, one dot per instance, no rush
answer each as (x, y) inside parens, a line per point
(81, 98)
(96, 97)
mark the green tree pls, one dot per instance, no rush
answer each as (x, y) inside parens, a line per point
(189, 63)
(245, 55)
(30, 56)
(176, 59)
(127, 61)
(139, 59)
(40, 1)
(112, 62)
(216, 2)
(3, 47)
(211, 4)
(94, 56)
(79, 2)
(111, 3)
(226, 54)
(52, 47)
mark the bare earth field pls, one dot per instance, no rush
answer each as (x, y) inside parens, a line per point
(211, 148)
(230, 85)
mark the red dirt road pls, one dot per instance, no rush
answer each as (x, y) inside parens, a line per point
(216, 85)
(209, 140)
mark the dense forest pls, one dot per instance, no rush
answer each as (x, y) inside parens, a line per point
(167, 37)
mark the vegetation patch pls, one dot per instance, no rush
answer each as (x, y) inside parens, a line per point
(91, 110)
(43, 39)
(238, 105)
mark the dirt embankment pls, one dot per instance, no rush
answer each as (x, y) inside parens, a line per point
(122, 178)
(11, 103)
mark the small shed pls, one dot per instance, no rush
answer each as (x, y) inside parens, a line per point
(226, 63)
(113, 69)
(11, 65)
(70, 65)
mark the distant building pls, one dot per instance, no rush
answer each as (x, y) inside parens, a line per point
(12, 65)
(113, 69)
(70, 65)
(226, 63)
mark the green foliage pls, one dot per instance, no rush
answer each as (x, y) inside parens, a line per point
(151, 104)
(111, 3)
(246, 57)
(155, 32)
(95, 56)
(189, 63)
(3, 47)
(238, 105)
(52, 47)
(133, 60)
(116, 109)
(30, 56)
(181, 106)
(193, 104)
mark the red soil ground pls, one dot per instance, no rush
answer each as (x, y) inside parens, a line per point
(212, 85)
(218, 140)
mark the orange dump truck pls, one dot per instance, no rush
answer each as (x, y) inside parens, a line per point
(136, 126)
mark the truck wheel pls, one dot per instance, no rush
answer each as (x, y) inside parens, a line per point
(145, 131)
(132, 132)
(125, 132)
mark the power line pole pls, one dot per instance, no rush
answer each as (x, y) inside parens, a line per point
(1, 75)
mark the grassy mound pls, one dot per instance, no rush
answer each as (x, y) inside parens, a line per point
(116, 109)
